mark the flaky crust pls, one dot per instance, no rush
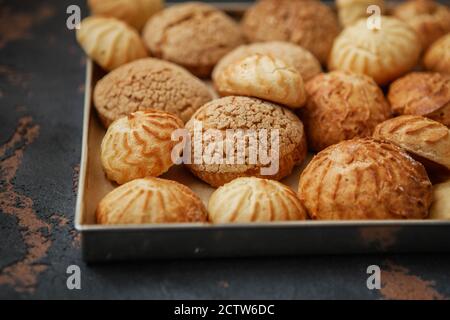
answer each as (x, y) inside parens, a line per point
(139, 145)
(418, 135)
(437, 57)
(440, 208)
(151, 200)
(251, 199)
(262, 76)
(350, 11)
(341, 106)
(299, 58)
(149, 83)
(194, 35)
(308, 23)
(383, 54)
(110, 42)
(429, 19)
(248, 113)
(365, 179)
(422, 93)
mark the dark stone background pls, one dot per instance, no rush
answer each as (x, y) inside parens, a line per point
(41, 100)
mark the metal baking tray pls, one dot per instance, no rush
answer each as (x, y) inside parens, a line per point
(200, 240)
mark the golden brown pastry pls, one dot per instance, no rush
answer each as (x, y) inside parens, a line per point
(193, 35)
(262, 76)
(342, 105)
(139, 145)
(151, 200)
(308, 23)
(383, 54)
(428, 18)
(440, 207)
(350, 11)
(251, 199)
(437, 57)
(299, 58)
(422, 93)
(149, 83)
(110, 42)
(246, 116)
(365, 179)
(133, 12)
(418, 135)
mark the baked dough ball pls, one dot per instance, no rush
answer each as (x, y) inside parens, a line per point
(193, 35)
(252, 199)
(149, 83)
(139, 145)
(308, 23)
(342, 105)
(133, 12)
(429, 19)
(245, 117)
(365, 179)
(422, 93)
(437, 58)
(262, 76)
(350, 11)
(150, 200)
(418, 135)
(440, 208)
(299, 58)
(383, 54)
(110, 42)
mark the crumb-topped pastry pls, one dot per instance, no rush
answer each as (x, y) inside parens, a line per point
(350, 11)
(251, 199)
(151, 200)
(437, 57)
(149, 83)
(365, 179)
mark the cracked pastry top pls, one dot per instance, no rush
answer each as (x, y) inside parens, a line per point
(309, 24)
(149, 84)
(365, 179)
(250, 199)
(437, 57)
(350, 11)
(383, 54)
(193, 35)
(151, 200)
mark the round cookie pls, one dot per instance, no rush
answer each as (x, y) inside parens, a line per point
(110, 42)
(149, 83)
(251, 199)
(342, 105)
(383, 54)
(262, 76)
(437, 57)
(299, 58)
(151, 200)
(193, 35)
(139, 145)
(365, 179)
(308, 23)
(278, 142)
(350, 11)
(422, 93)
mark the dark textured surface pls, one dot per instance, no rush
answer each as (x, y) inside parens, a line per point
(41, 100)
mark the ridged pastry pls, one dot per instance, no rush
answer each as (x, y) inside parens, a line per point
(437, 57)
(350, 11)
(342, 105)
(262, 76)
(299, 58)
(151, 200)
(149, 83)
(440, 208)
(244, 113)
(418, 135)
(383, 54)
(252, 199)
(193, 35)
(139, 145)
(428, 18)
(365, 179)
(110, 42)
(422, 93)
(308, 23)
